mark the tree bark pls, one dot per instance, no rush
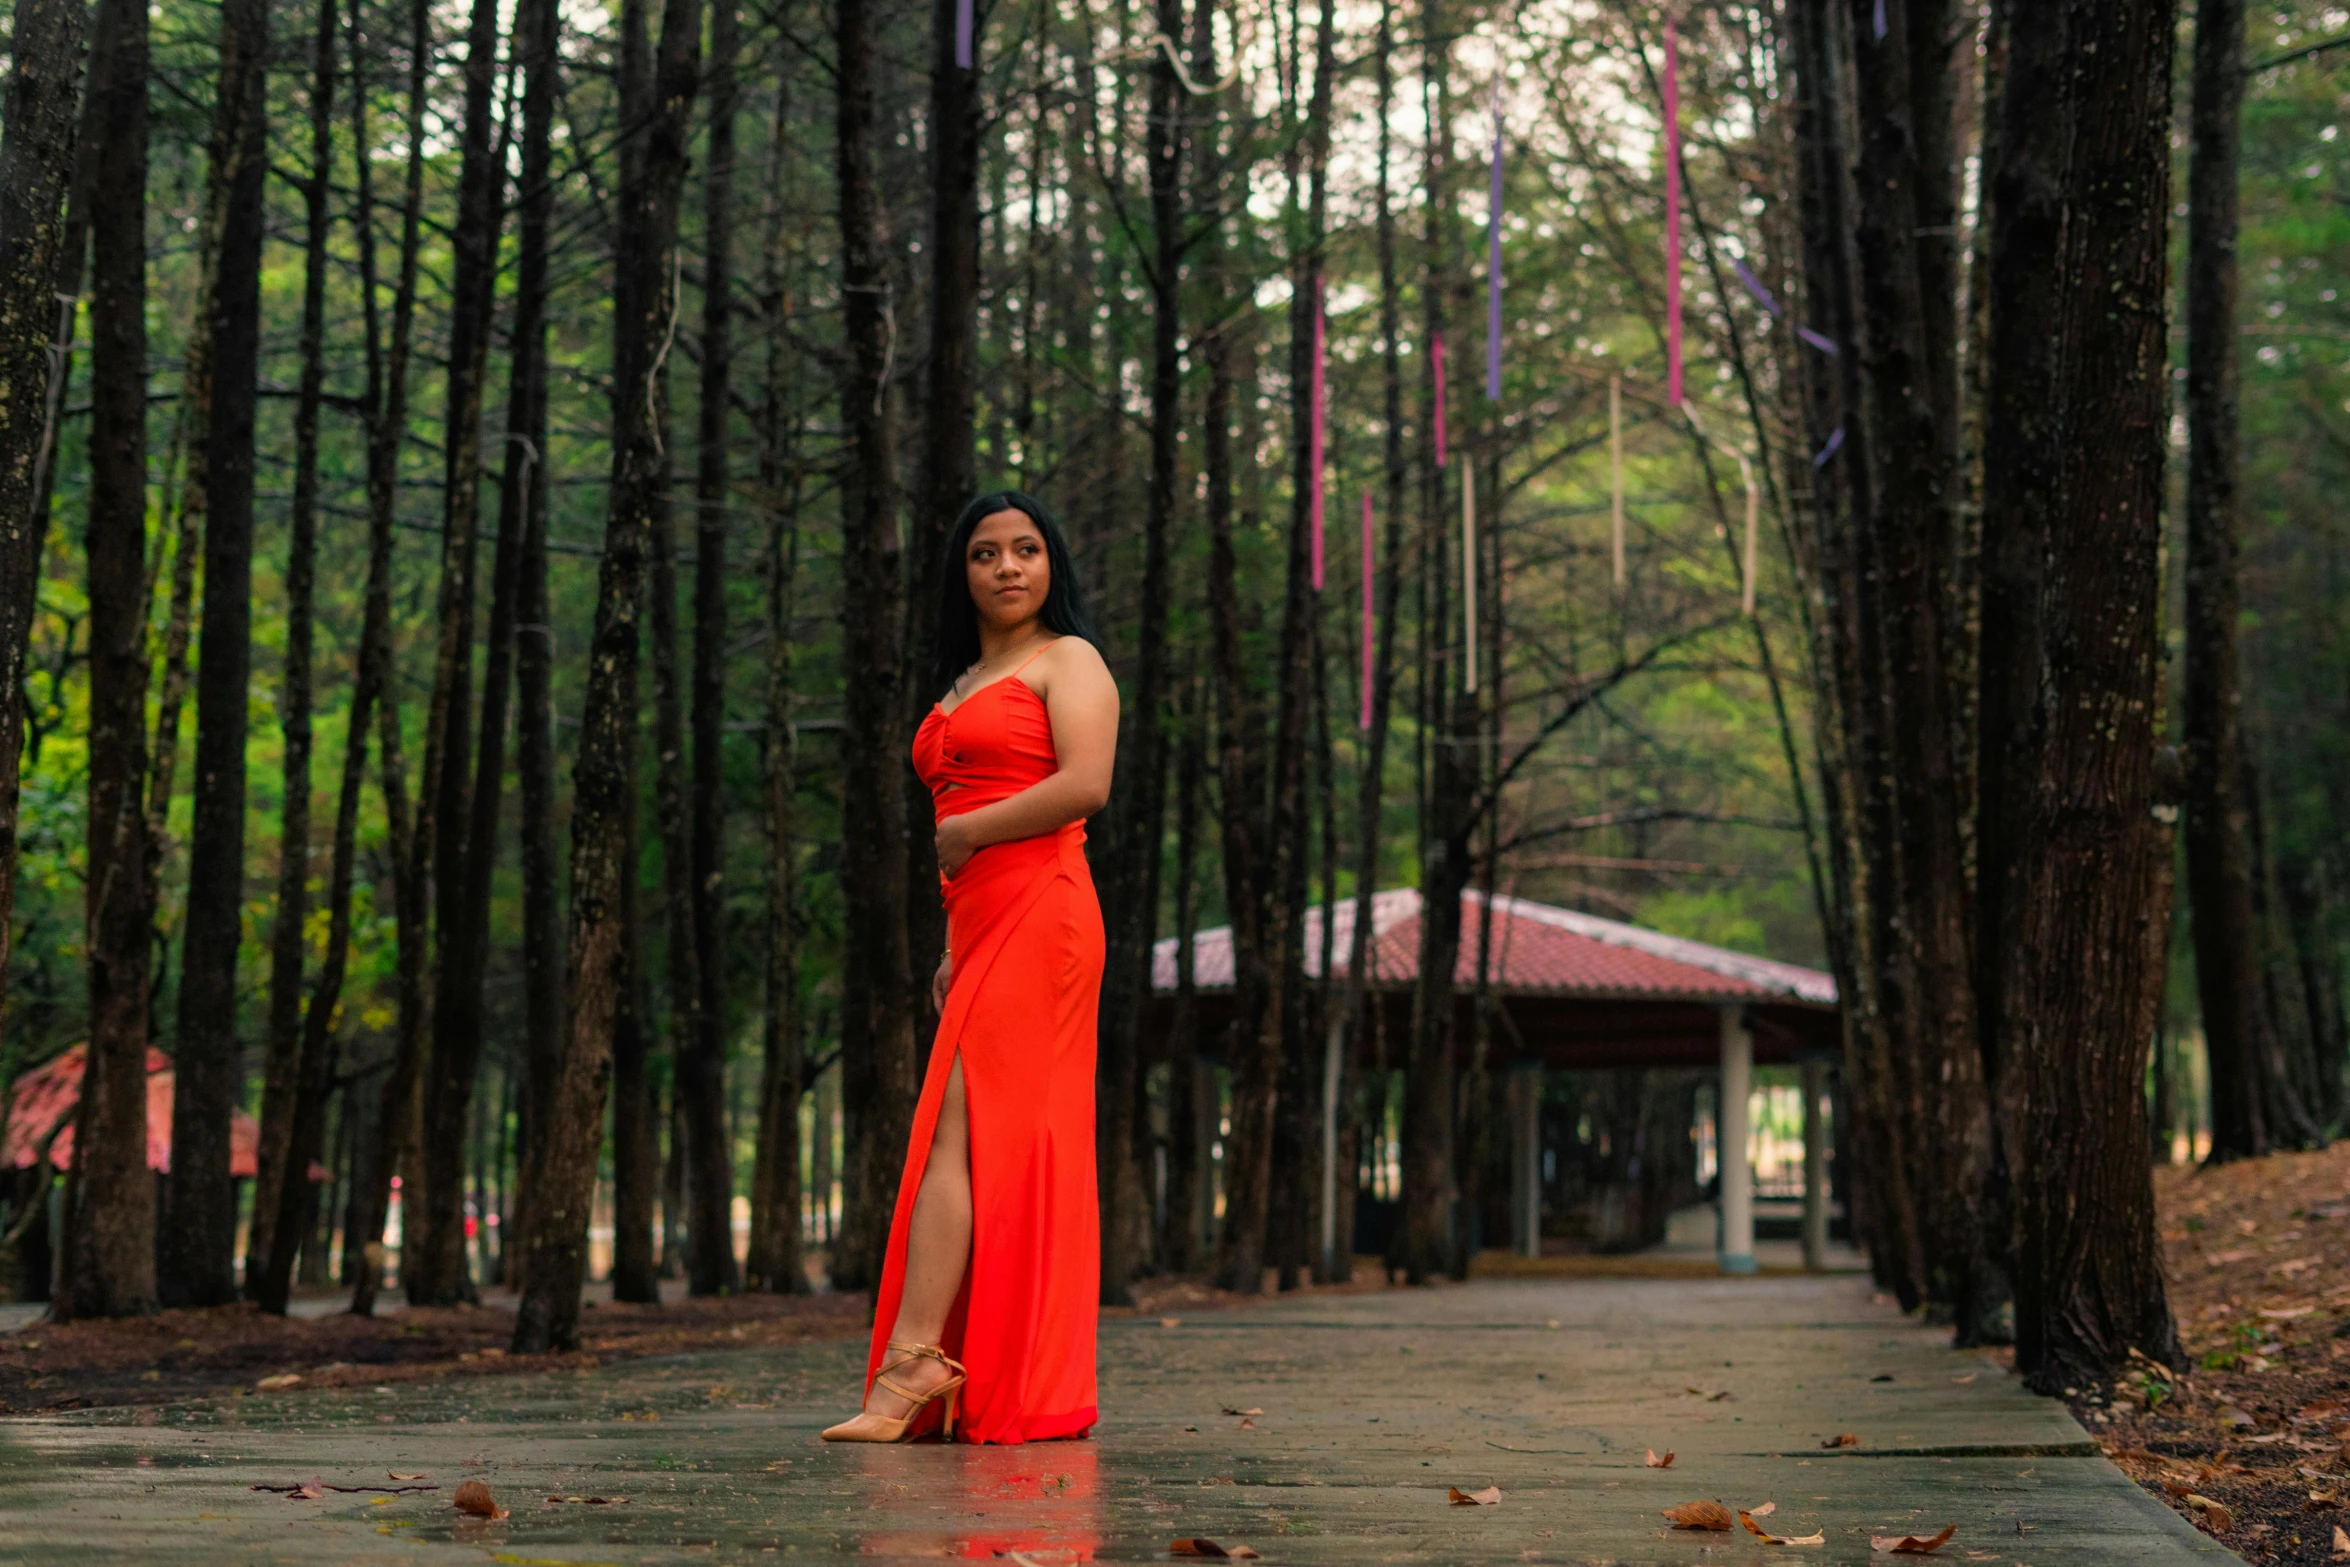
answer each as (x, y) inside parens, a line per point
(394, 1154)
(1139, 805)
(37, 150)
(286, 1073)
(877, 1023)
(604, 780)
(198, 1265)
(110, 1268)
(2079, 199)
(536, 26)
(703, 1066)
(451, 845)
(2219, 869)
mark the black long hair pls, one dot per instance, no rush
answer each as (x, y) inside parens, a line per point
(958, 617)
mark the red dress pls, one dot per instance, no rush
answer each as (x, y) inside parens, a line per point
(1026, 932)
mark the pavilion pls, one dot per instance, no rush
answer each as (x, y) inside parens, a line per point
(1578, 993)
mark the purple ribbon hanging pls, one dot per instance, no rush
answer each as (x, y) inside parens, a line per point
(1880, 18)
(1316, 440)
(963, 30)
(1762, 295)
(1835, 445)
(1826, 345)
(1493, 265)
(1672, 107)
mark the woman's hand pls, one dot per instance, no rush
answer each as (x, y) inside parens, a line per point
(957, 842)
(940, 981)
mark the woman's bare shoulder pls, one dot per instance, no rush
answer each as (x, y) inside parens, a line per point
(1075, 667)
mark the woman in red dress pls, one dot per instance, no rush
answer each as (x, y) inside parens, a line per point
(985, 1317)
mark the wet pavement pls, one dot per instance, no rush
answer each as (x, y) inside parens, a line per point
(1372, 1407)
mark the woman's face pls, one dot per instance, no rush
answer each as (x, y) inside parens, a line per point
(1007, 568)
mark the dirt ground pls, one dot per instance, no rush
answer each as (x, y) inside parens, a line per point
(2250, 1442)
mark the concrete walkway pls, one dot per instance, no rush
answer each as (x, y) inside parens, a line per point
(1372, 1406)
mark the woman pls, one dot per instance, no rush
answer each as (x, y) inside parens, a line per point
(989, 1288)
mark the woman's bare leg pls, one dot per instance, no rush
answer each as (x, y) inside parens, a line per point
(938, 1249)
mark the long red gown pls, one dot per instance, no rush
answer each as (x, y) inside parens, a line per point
(1026, 932)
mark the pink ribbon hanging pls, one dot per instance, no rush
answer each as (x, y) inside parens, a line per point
(1493, 264)
(963, 30)
(1672, 213)
(1436, 360)
(1314, 445)
(1369, 619)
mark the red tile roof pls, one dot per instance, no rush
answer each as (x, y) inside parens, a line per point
(1537, 950)
(47, 1096)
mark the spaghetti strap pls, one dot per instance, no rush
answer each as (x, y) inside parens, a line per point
(1032, 658)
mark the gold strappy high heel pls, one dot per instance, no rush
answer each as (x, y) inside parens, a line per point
(889, 1430)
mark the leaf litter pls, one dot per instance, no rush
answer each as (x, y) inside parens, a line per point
(1654, 1462)
(474, 1500)
(1489, 1497)
(1748, 1515)
(1699, 1515)
(1912, 1544)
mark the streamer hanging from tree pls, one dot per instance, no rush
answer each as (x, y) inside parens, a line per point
(1672, 89)
(1615, 472)
(1436, 363)
(1370, 615)
(1493, 263)
(1469, 570)
(1317, 439)
(963, 31)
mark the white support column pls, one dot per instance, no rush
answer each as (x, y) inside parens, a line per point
(1736, 1174)
(1815, 1166)
(1526, 1158)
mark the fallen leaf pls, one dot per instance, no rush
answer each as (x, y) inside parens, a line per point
(1966, 1377)
(1170, 1322)
(2320, 1500)
(1228, 1409)
(1489, 1497)
(2341, 1541)
(1655, 1462)
(1247, 1425)
(1721, 1397)
(474, 1500)
(2322, 1409)
(2217, 1513)
(310, 1490)
(1911, 1544)
(592, 1501)
(1748, 1515)
(2285, 1313)
(2236, 1417)
(1842, 1439)
(397, 1474)
(1698, 1515)
(282, 1379)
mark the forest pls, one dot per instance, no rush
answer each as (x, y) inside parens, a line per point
(1839, 479)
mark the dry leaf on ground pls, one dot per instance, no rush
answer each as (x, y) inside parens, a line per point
(1247, 1425)
(1228, 1409)
(592, 1501)
(1912, 1544)
(2341, 1541)
(283, 1379)
(1748, 1515)
(402, 1474)
(1655, 1462)
(1489, 1497)
(1698, 1515)
(2217, 1514)
(1842, 1439)
(474, 1500)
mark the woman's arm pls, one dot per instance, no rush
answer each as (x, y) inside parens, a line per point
(1081, 699)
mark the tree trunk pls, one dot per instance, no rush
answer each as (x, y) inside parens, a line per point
(198, 1263)
(433, 1262)
(2079, 199)
(1424, 1237)
(2219, 871)
(1139, 808)
(1906, 181)
(110, 1269)
(394, 1155)
(37, 150)
(536, 24)
(284, 1073)
(604, 780)
(949, 472)
(878, 1081)
(703, 1065)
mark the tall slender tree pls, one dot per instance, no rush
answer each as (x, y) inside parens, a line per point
(110, 1263)
(199, 1211)
(2079, 196)
(877, 1021)
(285, 1110)
(603, 812)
